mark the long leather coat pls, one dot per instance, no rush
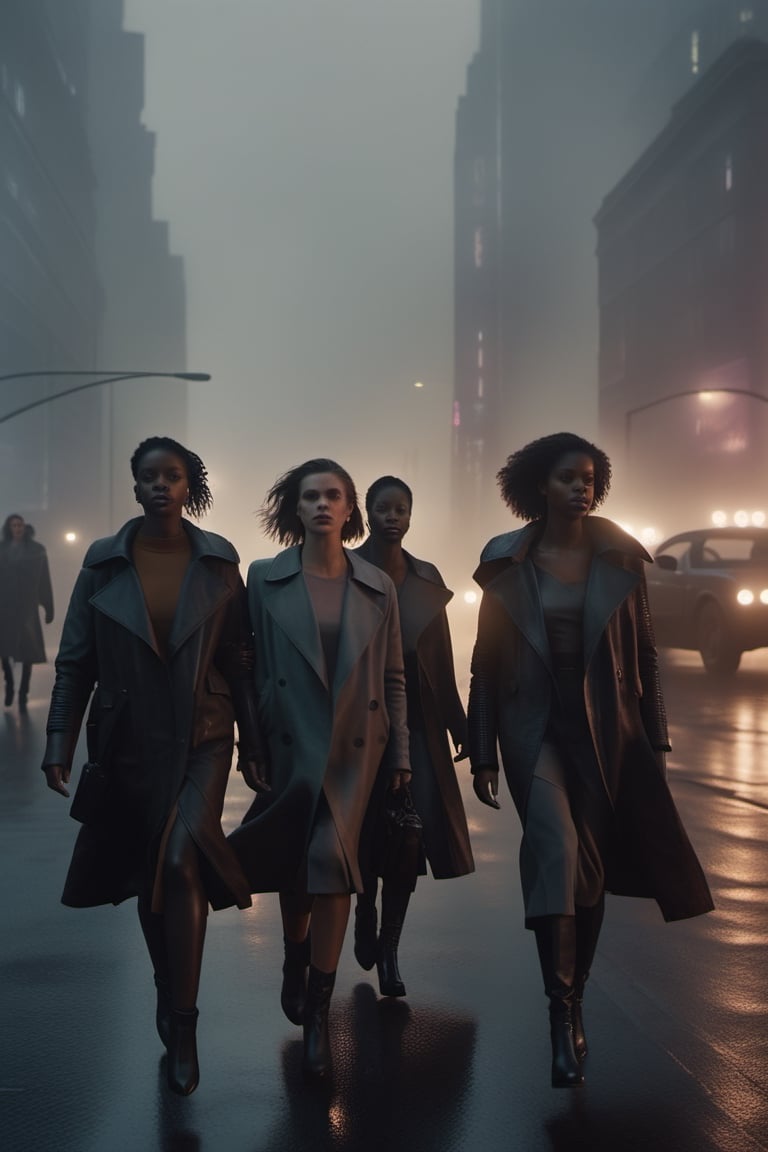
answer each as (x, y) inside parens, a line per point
(434, 708)
(150, 715)
(319, 736)
(25, 588)
(511, 693)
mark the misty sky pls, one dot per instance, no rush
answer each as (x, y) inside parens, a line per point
(304, 161)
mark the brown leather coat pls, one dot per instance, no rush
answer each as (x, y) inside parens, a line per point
(154, 713)
(511, 692)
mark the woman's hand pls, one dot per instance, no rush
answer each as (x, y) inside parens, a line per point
(57, 778)
(461, 752)
(256, 774)
(401, 780)
(486, 785)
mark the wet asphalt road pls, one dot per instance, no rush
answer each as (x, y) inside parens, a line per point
(677, 1015)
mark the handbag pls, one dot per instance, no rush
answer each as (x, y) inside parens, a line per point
(397, 848)
(91, 801)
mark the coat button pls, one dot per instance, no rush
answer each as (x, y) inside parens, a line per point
(281, 683)
(287, 738)
(619, 674)
(358, 742)
(373, 705)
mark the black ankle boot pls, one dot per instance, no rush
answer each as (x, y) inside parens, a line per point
(316, 1064)
(365, 934)
(183, 1069)
(556, 943)
(8, 693)
(163, 1009)
(390, 981)
(589, 921)
(577, 1026)
(294, 990)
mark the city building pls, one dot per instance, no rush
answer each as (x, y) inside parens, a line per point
(683, 294)
(561, 98)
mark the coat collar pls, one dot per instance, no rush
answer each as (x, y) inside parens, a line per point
(420, 600)
(121, 598)
(506, 571)
(287, 600)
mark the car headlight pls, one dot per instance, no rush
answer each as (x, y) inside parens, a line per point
(764, 596)
(745, 596)
(470, 597)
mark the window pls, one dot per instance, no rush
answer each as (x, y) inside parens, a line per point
(478, 247)
(695, 47)
(728, 172)
(19, 99)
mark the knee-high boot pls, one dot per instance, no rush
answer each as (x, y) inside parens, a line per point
(26, 676)
(365, 923)
(394, 905)
(8, 674)
(589, 921)
(317, 1063)
(556, 943)
(293, 993)
(153, 928)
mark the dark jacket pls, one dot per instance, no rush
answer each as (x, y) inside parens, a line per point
(511, 693)
(25, 588)
(434, 708)
(331, 737)
(159, 712)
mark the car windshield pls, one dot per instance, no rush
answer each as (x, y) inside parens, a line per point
(741, 550)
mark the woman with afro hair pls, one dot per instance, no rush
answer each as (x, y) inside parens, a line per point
(565, 681)
(158, 625)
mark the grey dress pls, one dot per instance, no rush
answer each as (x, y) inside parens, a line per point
(568, 812)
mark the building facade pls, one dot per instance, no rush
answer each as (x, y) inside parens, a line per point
(561, 98)
(683, 295)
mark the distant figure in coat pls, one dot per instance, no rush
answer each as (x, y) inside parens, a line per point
(565, 677)
(25, 588)
(331, 705)
(158, 624)
(434, 709)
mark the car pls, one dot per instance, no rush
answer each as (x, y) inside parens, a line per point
(708, 591)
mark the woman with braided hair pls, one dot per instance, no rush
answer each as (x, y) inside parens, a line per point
(158, 626)
(565, 678)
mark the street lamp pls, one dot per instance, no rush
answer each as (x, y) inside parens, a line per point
(108, 379)
(679, 396)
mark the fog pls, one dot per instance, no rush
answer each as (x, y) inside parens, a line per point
(304, 161)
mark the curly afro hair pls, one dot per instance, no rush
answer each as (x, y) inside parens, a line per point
(527, 469)
(279, 517)
(200, 499)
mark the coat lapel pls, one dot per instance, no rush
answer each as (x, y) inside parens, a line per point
(518, 590)
(362, 615)
(202, 594)
(122, 600)
(608, 586)
(287, 600)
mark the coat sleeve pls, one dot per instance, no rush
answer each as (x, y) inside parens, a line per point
(452, 709)
(397, 754)
(482, 716)
(76, 674)
(652, 702)
(234, 659)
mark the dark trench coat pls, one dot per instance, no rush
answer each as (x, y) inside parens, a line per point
(25, 588)
(434, 708)
(511, 691)
(331, 737)
(161, 713)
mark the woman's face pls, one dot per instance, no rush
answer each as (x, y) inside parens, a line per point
(16, 528)
(324, 504)
(162, 484)
(390, 516)
(570, 486)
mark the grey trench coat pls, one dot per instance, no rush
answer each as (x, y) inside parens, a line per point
(434, 708)
(335, 738)
(169, 719)
(511, 691)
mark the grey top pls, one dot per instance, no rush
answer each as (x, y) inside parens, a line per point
(327, 597)
(563, 606)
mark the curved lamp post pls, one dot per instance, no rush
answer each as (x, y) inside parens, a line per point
(103, 379)
(679, 396)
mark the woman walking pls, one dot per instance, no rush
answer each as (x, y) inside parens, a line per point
(25, 588)
(331, 701)
(158, 622)
(434, 709)
(565, 677)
